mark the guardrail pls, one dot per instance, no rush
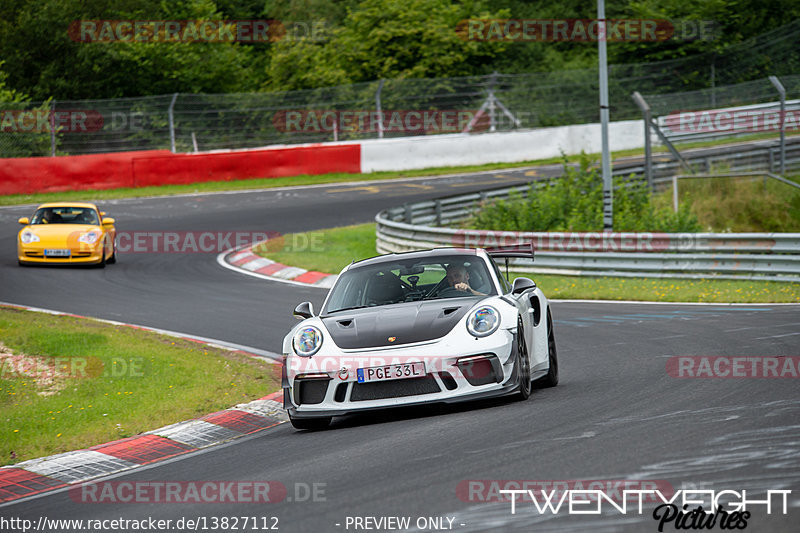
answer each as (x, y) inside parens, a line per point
(671, 124)
(757, 157)
(756, 256)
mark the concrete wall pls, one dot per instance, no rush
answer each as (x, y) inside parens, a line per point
(139, 169)
(507, 147)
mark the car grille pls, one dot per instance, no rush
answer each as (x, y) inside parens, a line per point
(341, 392)
(310, 391)
(63, 258)
(378, 390)
(481, 370)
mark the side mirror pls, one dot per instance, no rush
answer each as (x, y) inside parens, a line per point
(522, 285)
(24, 220)
(108, 221)
(304, 310)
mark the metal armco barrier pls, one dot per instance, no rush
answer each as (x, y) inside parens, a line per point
(757, 256)
(757, 156)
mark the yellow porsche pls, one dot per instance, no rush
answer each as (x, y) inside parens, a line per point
(67, 233)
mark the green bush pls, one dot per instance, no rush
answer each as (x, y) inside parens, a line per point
(574, 202)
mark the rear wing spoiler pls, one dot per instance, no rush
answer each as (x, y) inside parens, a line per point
(516, 250)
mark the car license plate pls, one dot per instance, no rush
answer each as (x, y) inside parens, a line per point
(57, 253)
(388, 372)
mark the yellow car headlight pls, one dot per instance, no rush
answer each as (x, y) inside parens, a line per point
(89, 238)
(28, 237)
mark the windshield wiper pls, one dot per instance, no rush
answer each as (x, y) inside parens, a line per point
(348, 308)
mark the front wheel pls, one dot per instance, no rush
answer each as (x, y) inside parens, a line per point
(311, 424)
(523, 365)
(113, 259)
(551, 378)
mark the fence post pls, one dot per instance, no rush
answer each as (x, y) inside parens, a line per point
(648, 154)
(492, 117)
(675, 193)
(782, 91)
(608, 183)
(53, 128)
(713, 80)
(172, 123)
(378, 108)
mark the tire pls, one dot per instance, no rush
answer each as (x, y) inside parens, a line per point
(311, 424)
(113, 259)
(551, 378)
(522, 365)
(102, 262)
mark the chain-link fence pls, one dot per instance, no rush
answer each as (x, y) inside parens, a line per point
(751, 92)
(401, 107)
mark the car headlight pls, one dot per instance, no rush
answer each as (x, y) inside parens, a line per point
(307, 341)
(89, 238)
(483, 321)
(29, 237)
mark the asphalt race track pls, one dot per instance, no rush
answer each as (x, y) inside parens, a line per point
(616, 415)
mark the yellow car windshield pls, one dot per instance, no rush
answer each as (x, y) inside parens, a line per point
(65, 215)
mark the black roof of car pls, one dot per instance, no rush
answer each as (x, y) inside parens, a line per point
(419, 254)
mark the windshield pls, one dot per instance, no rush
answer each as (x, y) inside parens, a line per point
(65, 215)
(411, 280)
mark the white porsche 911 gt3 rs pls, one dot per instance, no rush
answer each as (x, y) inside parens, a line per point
(439, 325)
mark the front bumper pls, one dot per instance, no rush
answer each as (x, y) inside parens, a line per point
(479, 368)
(34, 254)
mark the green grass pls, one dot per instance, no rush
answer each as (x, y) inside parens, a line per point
(739, 205)
(293, 181)
(323, 251)
(337, 247)
(93, 382)
(666, 289)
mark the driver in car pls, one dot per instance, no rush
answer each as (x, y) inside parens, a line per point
(458, 277)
